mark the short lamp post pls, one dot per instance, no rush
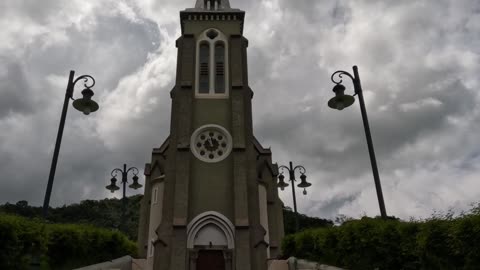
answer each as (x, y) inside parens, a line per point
(113, 186)
(303, 184)
(341, 101)
(85, 105)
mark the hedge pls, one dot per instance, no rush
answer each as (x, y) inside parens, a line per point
(57, 246)
(373, 243)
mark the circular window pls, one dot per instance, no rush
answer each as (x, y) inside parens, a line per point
(211, 143)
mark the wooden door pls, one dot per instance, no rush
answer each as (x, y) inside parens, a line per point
(210, 260)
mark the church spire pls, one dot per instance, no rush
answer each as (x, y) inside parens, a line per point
(212, 5)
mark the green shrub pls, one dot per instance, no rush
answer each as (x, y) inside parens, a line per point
(20, 239)
(57, 246)
(448, 243)
(106, 213)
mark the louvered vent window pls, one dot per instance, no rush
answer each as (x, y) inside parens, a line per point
(220, 68)
(204, 85)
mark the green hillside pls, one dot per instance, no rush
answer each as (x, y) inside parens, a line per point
(104, 213)
(107, 213)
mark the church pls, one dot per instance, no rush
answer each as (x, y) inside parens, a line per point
(211, 199)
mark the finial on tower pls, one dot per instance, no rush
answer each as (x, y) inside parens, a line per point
(212, 5)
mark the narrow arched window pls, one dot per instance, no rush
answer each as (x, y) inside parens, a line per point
(219, 68)
(204, 80)
(211, 71)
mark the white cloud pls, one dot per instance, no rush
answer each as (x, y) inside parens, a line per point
(427, 102)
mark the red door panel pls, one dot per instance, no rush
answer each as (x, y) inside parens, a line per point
(210, 260)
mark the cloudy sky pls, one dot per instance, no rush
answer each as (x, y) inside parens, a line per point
(419, 62)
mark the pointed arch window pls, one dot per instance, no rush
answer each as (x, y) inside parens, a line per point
(212, 63)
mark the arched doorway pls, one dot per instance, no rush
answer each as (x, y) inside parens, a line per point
(210, 240)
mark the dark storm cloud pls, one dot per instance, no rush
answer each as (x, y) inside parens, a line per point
(14, 88)
(113, 49)
(105, 45)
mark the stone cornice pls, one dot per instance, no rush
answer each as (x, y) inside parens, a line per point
(217, 15)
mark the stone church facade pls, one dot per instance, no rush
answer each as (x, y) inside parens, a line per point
(211, 199)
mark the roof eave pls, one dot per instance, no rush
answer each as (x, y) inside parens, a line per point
(184, 15)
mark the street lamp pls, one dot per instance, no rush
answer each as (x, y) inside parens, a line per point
(85, 105)
(341, 101)
(303, 184)
(113, 187)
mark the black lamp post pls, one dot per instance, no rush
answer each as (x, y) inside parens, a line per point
(85, 105)
(341, 101)
(135, 185)
(304, 184)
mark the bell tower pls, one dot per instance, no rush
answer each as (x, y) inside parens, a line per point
(211, 199)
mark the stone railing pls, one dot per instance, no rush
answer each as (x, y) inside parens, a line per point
(128, 263)
(297, 264)
(123, 263)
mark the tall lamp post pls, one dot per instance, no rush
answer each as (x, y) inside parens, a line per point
(85, 105)
(113, 187)
(341, 101)
(303, 184)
